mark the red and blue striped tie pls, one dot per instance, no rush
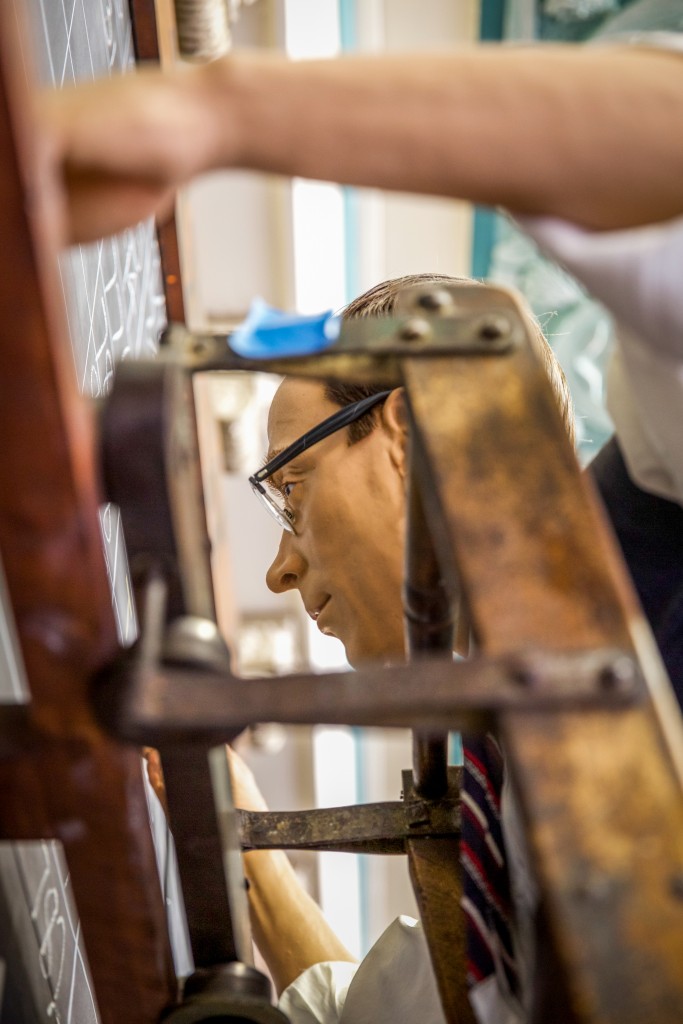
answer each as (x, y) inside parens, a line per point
(486, 898)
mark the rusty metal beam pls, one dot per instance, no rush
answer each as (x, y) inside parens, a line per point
(434, 863)
(434, 866)
(368, 350)
(601, 792)
(363, 828)
(438, 891)
(161, 704)
(429, 627)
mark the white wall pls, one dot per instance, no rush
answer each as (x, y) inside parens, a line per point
(240, 222)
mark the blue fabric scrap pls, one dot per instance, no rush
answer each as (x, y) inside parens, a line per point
(268, 332)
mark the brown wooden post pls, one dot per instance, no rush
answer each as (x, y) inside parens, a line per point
(72, 783)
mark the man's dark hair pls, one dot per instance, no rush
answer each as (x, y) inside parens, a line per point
(380, 301)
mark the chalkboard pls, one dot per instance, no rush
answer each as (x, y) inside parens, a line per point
(113, 288)
(115, 308)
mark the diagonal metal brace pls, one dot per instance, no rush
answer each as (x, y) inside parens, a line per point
(365, 828)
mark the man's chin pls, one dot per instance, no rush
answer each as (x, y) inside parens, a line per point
(362, 655)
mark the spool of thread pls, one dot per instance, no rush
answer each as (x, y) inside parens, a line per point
(203, 28)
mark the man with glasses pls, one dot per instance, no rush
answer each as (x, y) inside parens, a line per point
(341, 507)
(335, 482)
(276, 502)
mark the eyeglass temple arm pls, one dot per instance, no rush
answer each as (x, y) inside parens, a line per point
(333, 423)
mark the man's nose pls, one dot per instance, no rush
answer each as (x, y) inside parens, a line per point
(287, 567)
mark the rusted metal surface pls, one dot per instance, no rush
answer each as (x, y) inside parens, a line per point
(601, 791)
(186, 495)
(77, 784)
(434, 868)
(369, 350)
(197, 788)
(434, 865)
(429, 627)
(159, 705)
(133, 467)
(144, 23)
(16, 734)
(169, 250)
(151, 470)
(434, 872)
(364, 828)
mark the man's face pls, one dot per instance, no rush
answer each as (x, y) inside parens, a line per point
(346, 559)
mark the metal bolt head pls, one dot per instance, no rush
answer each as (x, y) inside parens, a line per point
(523, 673)
(595, 888)
(438, 300)
(493, 328)
(415, 330)
(199, 347)
(619, 674)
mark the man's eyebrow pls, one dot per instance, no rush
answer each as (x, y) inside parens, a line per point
(273, 481)
(271, 454)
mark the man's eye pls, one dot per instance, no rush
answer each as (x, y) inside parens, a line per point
(287, 490)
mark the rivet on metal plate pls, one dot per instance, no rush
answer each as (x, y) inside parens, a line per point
(494, 328)
(415, 330)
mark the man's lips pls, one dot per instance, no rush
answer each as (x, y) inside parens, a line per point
(315, 612)
(324, 629)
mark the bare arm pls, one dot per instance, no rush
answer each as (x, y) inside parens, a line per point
(289, 927)
(589, 134)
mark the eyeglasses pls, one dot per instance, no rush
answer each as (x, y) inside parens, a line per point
(349, 414)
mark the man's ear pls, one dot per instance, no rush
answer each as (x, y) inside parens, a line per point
(395, 425)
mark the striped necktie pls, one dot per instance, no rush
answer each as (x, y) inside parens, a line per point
(486, 898)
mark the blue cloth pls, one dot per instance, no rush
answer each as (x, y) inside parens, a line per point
(268, 332)
(486, 899)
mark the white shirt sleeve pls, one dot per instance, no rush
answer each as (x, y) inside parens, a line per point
(394, 984)
(317, 996)
(636, 274)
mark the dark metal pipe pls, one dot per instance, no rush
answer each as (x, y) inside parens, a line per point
(429, 624)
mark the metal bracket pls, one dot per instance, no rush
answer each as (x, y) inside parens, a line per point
(363, 828)
(431, 321)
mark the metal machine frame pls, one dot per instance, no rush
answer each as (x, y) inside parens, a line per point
(502, 524)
